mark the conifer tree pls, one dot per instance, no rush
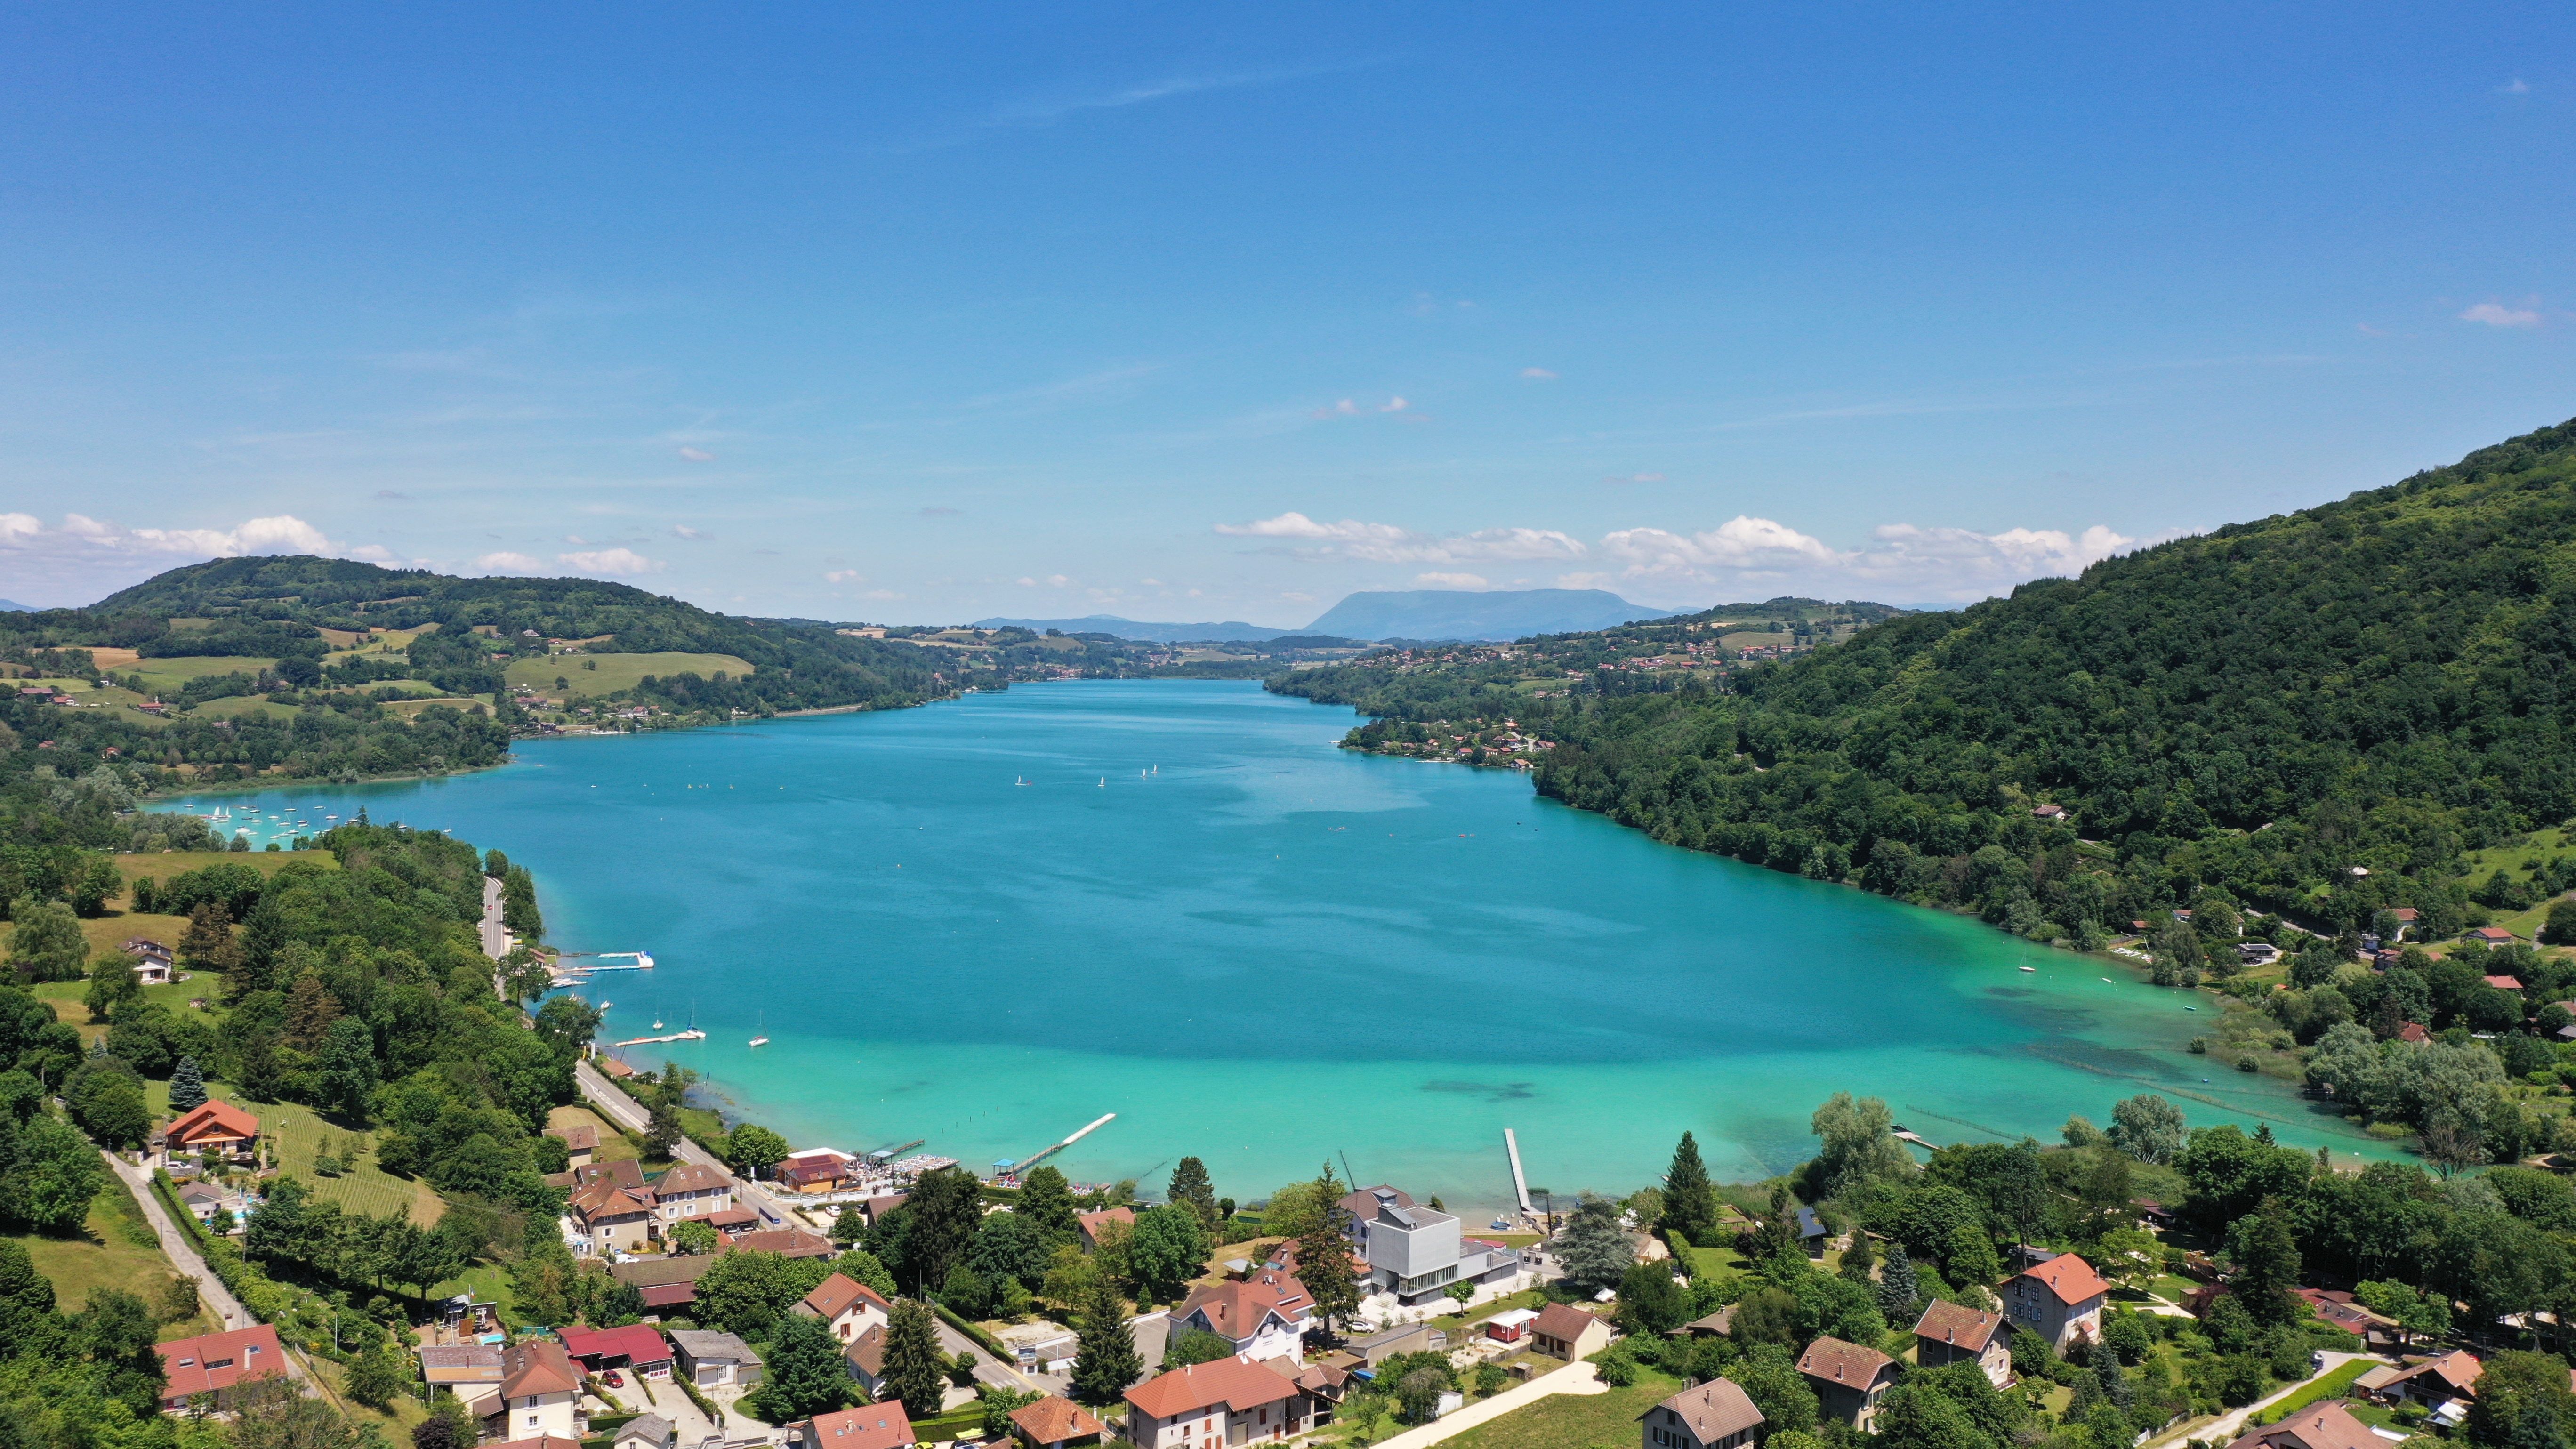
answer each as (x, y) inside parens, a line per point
(1105, 1360)
(915, 1369)
(1191, 1188)
(1896, 1287)
(1690, 1202)
(187, 1086)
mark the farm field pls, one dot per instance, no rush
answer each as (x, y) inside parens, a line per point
(171, 673)
(115, 1250)
(617, 671)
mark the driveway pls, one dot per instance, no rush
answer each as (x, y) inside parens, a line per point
(1575, 1378)
(2226, 1427)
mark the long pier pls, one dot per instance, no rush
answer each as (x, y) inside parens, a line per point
(1520, 1184)
(690, 1035)
(1019, 1168)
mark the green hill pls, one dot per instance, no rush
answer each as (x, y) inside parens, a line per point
(2321, 712)
(463, 636)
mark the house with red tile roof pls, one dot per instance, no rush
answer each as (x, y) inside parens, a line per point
(1262, 1316)
(692, 1190)
(848, 1308)
(2060, 1300)
(787, 1242)
(1713, 1415)
(1953, 1333)
(614, 1219)
(539, 1395)
(2414, 1032)
(1849, 1379)
(636, 1346)
(2319, 1426)
(1092, 1223)
(1564, 1331)
(2503, 983)
(1229, 1401)
(581, 1143)
(213, 1363)
(870, 1426)
(1055, 1423)
(212, 1127)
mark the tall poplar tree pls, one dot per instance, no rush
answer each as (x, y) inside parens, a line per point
(1690, 1200)
(1105, 1360)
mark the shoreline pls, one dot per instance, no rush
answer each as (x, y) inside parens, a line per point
(737, 1096)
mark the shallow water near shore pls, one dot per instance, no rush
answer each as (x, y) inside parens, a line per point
(1265, 951)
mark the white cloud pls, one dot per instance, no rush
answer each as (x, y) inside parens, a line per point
(880, 594)
(86, 556)
(616, 562)
(1452, 581)
(1027, 583)
(1904, 562)
(684, 531)
(2497, 315)
(509, 563)
(1538, 374)
(2514, 87)
(843, 576)
(1386, 543)
(696, 455)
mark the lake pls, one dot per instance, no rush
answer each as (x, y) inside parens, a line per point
(987, 922)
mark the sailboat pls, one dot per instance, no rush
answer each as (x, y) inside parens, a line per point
(763, 1038)
(1019, 779)
(1104, 782)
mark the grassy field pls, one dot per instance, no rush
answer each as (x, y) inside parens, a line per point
(617, 671)
(1575, 1421)
(169, 674)
(409, 707)
(116, 1250)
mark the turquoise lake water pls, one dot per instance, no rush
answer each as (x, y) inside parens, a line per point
(1265, 953)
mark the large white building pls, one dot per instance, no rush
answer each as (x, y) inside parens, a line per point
(1415, 1252)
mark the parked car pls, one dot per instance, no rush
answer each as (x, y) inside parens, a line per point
(612, 1378)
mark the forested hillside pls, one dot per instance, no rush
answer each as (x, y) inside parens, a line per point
(467, 631)
(2319, 712)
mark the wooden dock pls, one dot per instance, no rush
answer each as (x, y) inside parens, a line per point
(692, 1035)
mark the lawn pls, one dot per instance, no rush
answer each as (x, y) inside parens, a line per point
(413, 706)
(617, 671)
(1452, 1323)
(115, 1250)
(65, 998)
(1719, 1264)
(1575, 1421)
(2331, 1386)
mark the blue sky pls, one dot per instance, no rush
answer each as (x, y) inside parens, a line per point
(919, 315)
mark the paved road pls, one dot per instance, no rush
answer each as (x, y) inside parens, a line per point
(183, 1256)
(496, 937)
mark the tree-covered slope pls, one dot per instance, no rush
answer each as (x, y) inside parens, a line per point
(274, 606)
(2373, 685)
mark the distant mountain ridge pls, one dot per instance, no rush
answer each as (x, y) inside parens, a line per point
(1498, 614)
(1138, 629)
(12, 606)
